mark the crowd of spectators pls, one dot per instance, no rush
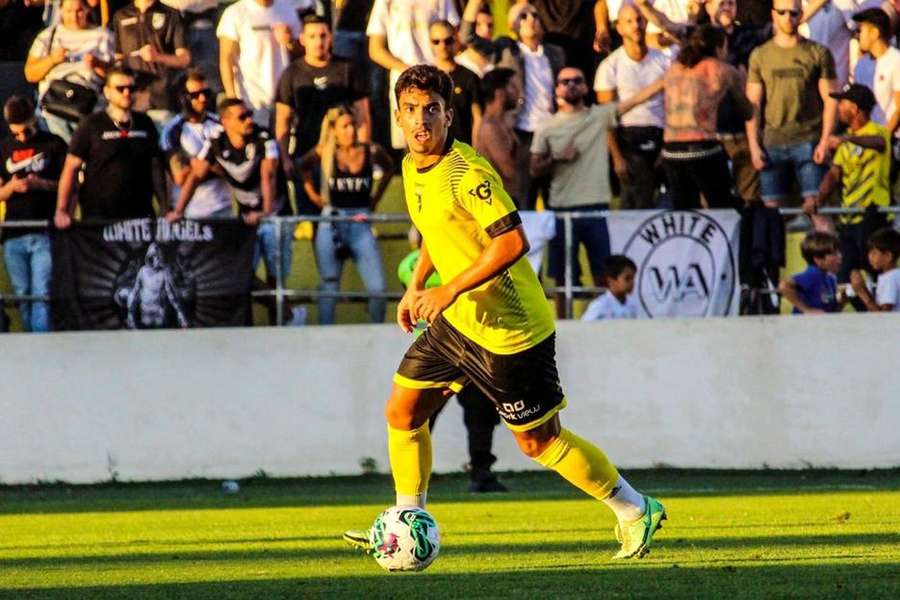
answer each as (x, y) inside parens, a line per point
(188, 108)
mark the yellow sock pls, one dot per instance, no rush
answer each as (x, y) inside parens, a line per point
(410, 453)
(581, 463)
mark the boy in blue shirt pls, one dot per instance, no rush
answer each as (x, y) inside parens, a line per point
(815, 289)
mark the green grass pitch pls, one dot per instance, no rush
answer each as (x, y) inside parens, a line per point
(781, 534)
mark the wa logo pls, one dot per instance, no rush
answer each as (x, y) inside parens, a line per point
(686, 265)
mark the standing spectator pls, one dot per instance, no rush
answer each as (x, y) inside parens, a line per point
(574, 147)
(537, 66)
(640, 134)
(182, 140)
(246, 156)
(828, 22)
(306, 90)
(347, 190)
(30, 163)
(18, 26)
(572, 26)
(119, 151)
(742, 40)
(862, 166)
(695, 85)
(754, 12)
(495, 138)
(200, 18)
(73, 51)
(884, 249)
(464, 102)
(884, 79)
(256, 43)
(617, 302)
(815, 291)
(150, 41)
(478, 20)
(399, 38)
(349, 18)
(792, 78)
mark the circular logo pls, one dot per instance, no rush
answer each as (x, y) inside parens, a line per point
(685, 265)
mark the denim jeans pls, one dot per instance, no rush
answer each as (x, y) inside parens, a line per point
(784, 161)
(364, 252)
(267, 250)
(59, 126)
(28, 265)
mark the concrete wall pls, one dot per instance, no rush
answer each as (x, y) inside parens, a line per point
(748, 392)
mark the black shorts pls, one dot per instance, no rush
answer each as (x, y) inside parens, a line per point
(524, 386)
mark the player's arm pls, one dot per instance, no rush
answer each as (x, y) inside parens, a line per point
(829, 118)
(500, 254)
(640, 97)
(65, 193)
(755, 94)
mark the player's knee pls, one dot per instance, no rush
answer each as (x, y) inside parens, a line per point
(399, 417)
(533, 446)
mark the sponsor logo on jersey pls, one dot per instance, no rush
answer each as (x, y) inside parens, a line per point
(320, 82)
(25, 161)
(119, 135)
(684, 258)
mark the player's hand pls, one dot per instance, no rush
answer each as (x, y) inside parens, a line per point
(820, 154)
(429, 304)
(62, 219)
(173, 216)
(148, 53)
(404, 312)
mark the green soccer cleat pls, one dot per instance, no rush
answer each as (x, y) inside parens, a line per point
(637, 535)
(358, 538)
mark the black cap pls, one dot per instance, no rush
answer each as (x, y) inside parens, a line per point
(876, 17)
(859, 95)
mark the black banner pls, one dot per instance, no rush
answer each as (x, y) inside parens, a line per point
(151, 274)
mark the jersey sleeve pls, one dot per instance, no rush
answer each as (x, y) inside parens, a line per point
(481, 194)
(827, 69)
(377, 18)
(754, 73)
(284, 93)
(228, 26)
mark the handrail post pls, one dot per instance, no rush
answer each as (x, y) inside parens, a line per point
(567, 231)
(279, 276)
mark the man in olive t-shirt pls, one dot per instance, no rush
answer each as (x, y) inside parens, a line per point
(792, 78)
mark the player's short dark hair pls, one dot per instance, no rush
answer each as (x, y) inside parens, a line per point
(818, 244)
(426, 78)
(887, 240)
(227, 103)
(18, 110)
(616, 264)
(314, 19)
(118, 70)
(493, 81)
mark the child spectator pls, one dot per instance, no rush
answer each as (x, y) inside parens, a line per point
(815, 289)
(616, 302)
(884, 249)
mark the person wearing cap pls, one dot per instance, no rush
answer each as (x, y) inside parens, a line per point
(884, 79)
(861, 165)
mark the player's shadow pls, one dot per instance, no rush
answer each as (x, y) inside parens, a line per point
(603, 580)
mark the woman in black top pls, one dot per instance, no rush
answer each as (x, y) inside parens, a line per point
(350, 187)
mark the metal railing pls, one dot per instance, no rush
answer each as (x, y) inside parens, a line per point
(568, 290)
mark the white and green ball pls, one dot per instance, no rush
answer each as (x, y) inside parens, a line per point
(405, 538)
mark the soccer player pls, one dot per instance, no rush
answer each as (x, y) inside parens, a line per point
(489, 322)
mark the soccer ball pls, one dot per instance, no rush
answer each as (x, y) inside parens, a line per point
(405, 538)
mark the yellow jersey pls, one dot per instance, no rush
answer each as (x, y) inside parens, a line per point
(458, 204)
(865, 172)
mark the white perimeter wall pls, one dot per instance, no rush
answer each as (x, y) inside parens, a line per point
(744, 393)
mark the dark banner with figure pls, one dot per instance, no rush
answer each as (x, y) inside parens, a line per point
(151, 274)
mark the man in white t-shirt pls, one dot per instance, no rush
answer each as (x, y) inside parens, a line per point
(623, 74)
(72, 50)
(257, 41)
(399, 38)
(829, 23)
(884, 79)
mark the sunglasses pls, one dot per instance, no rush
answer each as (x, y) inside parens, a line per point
(570, 81)
(244, 116)
(205, 92)
(787, 11)
(446, 42)
(123, 88)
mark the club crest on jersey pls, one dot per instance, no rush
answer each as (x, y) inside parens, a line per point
(418, 193)
(158, 21)
(482, 191)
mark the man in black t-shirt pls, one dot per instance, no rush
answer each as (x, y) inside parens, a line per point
(30, 162)
(306, 90)
(465, 103)
(150, 40)
(123, 163)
